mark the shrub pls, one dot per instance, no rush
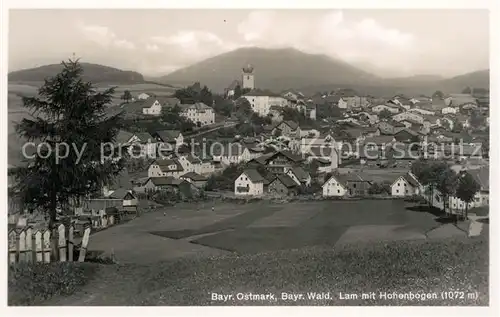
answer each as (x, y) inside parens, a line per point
(30, 284)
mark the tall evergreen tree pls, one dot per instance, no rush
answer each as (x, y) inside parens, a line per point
(67, 111)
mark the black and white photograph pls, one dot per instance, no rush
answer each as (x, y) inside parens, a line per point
(197, 156)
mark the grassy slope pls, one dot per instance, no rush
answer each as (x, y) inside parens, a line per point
(410, 266)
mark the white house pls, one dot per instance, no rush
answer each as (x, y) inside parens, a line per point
(165, 168)
(448, 110)
(249, 183)
(411, 116)
(152, 107)
(232, 153)
(406, 185)
(261, 101)
(389, 107)
(199, 113)
(168, 139)
(334, 187)
(143, 96)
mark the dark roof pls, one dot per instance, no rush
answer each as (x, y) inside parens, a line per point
(120, 193)
(286, 180)
(165, 163)
(261, 92)
(194, 176)
(144, 136)
(381, 139)
(254, 176)
(163, 181)
(300, 173)
(231, 149)
(123, 136)
(293, 125)
(167, 135)
(197, 106)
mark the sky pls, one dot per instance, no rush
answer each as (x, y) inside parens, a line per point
(388, 43)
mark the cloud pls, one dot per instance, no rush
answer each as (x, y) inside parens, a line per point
(193, 44)
(365, 40)
(104, 36)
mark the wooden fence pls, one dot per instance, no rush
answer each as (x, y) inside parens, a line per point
(28, 245)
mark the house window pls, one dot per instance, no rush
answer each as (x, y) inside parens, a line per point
(397, 191)
(476, 199)
(354, 185)
(338, 191)
(399, 184)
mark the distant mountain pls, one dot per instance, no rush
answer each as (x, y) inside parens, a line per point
(416, 79)
(92, 72)
(274, 69)
(477, 79)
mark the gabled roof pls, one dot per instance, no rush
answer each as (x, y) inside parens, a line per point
(123, 137)
(120, 193)
(286, 180)
(165, 163)
(300, 173)
(253, 175)
(144, 136)
(194, 176)
(167, 135)
(409, 179)
(230, 149)
(164, 181)
(293, 125)
(196, 106)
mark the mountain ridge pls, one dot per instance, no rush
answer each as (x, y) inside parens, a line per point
(95, 73)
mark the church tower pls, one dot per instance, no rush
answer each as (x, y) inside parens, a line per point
(248, 77)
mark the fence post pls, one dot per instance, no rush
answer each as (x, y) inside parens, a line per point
(22, 246)
(62, 242)
(29, 244)
(71, 242)
(38, 246)
(46, 245)
(12, 246)
(85, 242)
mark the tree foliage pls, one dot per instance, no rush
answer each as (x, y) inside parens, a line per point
(67, 110)
(438, 95)
(385, 114)
(467, 90)
(127, 96)
(467, 189)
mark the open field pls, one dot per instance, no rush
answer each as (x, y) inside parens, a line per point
(180, 255)
(190, 230)
(419, 266)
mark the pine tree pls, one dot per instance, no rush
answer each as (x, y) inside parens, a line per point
(127, 96)
(67, 111)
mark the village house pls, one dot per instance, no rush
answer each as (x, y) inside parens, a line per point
(355, 101)
(389, 127)
(199, 113)
(231, 153)
(326, 155)
(152, 106)
(351, 184)
(449, 110)
(406, 185)
(334, 187)
(143, 96)
(168, 139)
(391, 107)
(283, 185)
(446, 123)
(249, 183)
(165, 168)
(195, 179)
(459, 100)
(140, 144)
(309, 132)
(299, 175)
(288, 129)
(407, 115)
(229, 91)
(277, 162)
(407, 136)
(261, 101)
(169, 184)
